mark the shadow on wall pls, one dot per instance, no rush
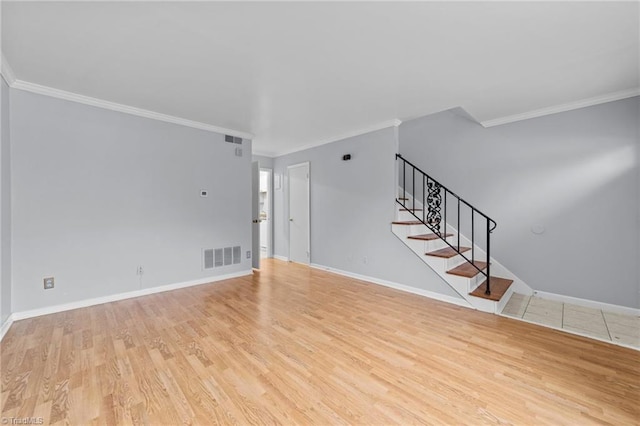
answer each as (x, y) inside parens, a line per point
(569, 181)
(573, 190)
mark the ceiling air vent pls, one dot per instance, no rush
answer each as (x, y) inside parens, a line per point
(233, 139)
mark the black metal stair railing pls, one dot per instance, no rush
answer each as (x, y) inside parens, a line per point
(432, 195)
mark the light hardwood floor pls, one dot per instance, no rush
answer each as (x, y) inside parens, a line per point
(294, 345)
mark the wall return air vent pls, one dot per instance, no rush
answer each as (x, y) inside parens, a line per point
(207, 259)
(216, 258)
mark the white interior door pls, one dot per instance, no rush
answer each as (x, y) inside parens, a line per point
(255, 215)
(299, 219)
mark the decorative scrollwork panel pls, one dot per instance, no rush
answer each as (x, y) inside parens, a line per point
(434, 203)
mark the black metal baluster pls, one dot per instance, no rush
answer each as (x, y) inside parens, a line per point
(404, 182)
(473, 246)
(488, 291)
(459, 230)
(424, 205)
(445, 214)
(414, 191)
(429, 192)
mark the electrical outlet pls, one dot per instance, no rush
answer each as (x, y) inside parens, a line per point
(248, 254)
(48, 283)
(365, 260)
(139, 271)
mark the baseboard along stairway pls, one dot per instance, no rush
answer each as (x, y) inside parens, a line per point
(421, 223)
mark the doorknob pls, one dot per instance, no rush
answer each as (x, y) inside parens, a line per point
(290, 219)
(255, 221)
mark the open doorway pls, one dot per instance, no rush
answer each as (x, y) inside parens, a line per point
(265, 203)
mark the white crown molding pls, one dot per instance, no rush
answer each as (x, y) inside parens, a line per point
(100, 103)
(615, 96)
(7, 71)
(268, 154)
(121, 296)
(365, 130)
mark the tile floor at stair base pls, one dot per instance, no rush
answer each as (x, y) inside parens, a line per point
(590, 322)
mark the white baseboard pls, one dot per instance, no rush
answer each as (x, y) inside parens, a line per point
(624, 310)
(5, 326)
(277, 256)
(121, 296)
(397, 286)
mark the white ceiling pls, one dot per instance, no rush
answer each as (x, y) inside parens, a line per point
(295, 74)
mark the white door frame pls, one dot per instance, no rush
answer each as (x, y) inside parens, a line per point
(255, 215)
(269, 211)
(306, 163)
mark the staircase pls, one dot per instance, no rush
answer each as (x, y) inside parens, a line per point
(433, 222)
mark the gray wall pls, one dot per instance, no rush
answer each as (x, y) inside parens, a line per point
(5, 205)
(98, 193)
(575, 173)
(352, 207)
(265, 162)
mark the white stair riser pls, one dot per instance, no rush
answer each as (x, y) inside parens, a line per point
(405, 230)
(404, 215)
(415, 245)
(454, 261)
(426, 246)
(485, 305)
(479, 254)
(505, 299)
(474, 282)
(434, 245)
(462, 285)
